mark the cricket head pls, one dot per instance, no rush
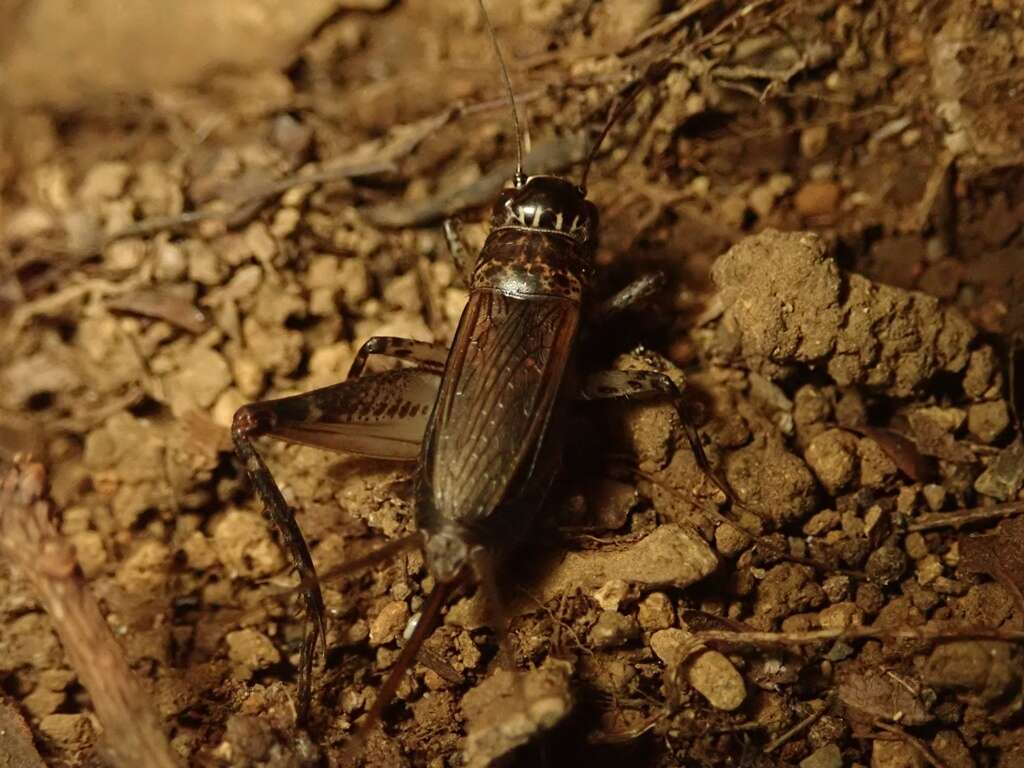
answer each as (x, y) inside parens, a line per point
(447, 554)
(548, 204)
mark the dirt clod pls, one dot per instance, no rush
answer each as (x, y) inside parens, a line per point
(502, 714)
(786, 302)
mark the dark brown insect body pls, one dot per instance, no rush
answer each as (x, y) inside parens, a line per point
(484, 420)
(492, 444)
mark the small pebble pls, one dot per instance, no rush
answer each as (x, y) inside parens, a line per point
(245, 546)
(817, 198)
(886, 565)
(828, 756)
(708, 671)
(832, 456)
(656, 612)
(70, 732)
(813, 141)
(611, 594)
(613, 630)
(895, 754)
(389, 623)
(987, 421)
(90, 552)
(934, 496)
(840, 616)
(251, 649)
(730, 540)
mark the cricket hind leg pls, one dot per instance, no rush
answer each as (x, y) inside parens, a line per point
(428, 355)
(281, 515)
(382, 415)
(606, 385)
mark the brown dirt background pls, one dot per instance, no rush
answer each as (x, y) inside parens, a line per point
(131, 331)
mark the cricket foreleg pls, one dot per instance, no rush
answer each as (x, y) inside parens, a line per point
(605, 385)
(428, 355)
(243, 430)
(460, 253)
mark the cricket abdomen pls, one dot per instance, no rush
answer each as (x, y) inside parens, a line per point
(501, 390)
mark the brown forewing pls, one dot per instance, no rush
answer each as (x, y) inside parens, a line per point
(507, 366)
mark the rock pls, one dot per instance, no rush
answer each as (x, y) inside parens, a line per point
(72, 733)
(934, 496)
(715, 678)
(245, 547)
(731, 540)
(501, 715)
(42, 702)
(656, 612)
(987, 421)
(16, 747)
(389, 623)
(132, 51)
(772, 481)
(90, 552)
(828, 756)
(202, 376)
(785, 302)
(879, 696)
(988, 669)
(817, 198)
(671, 556)
(613, 630)
(787, 588)
(886, 565)
(895, 754)
(145, 569)
(981, 367)
(832, 456)
(840, 616)
(813, 141)
(251, 649)
(708, 671)
(104, 181)
(1005, 475)
(403, 292)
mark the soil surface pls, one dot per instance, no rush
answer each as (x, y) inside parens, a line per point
(835, 195)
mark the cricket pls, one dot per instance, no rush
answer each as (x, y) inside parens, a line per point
(458, 384)
(484, 419)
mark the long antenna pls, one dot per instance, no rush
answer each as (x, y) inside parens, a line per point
(614, 113)
(519, 179)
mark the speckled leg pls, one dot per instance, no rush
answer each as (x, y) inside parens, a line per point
(640, 289)
(382, 415)
(428, 355)
(461, 255)
(244, 429)
(606, 385)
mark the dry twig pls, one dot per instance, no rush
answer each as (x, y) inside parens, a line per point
(29, 540)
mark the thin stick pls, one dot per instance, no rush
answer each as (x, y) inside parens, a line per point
(28, 538)
(964, 517)
(519, 179)
(803, 725)
(913, 741)
(930, 634)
